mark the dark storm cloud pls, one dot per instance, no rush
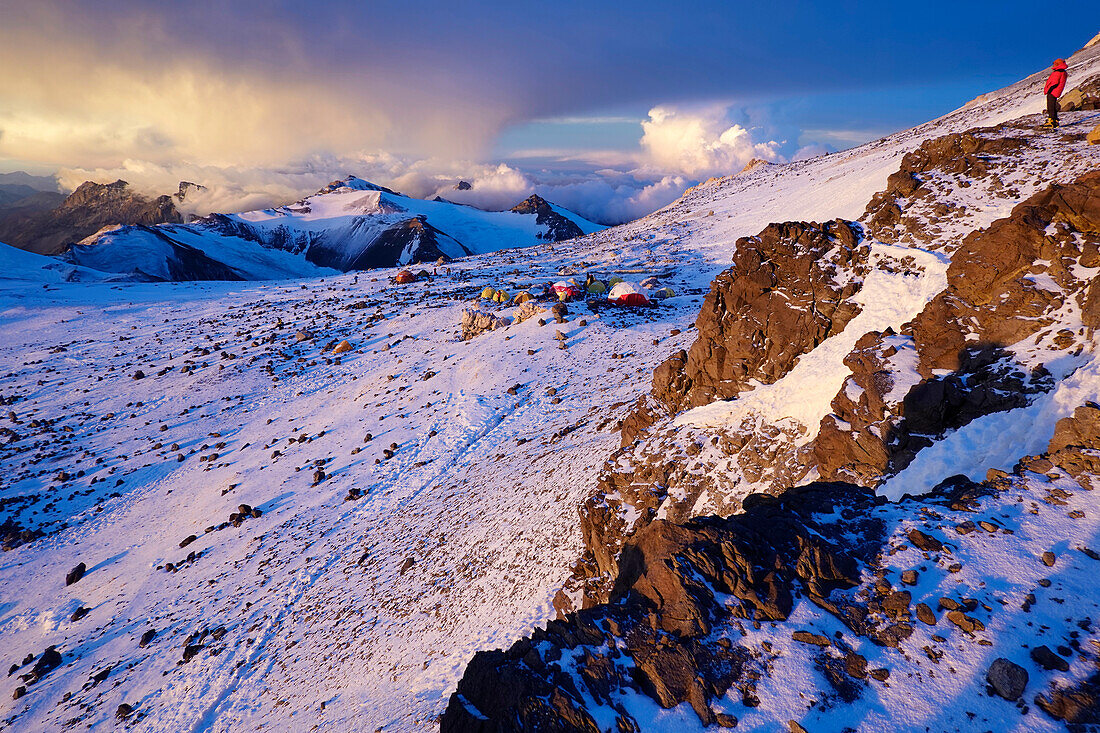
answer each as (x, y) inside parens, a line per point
(149, 87)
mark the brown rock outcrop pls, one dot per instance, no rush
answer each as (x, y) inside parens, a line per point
(789, 289)
(964, 153)
(1006, 283)
(662, 608)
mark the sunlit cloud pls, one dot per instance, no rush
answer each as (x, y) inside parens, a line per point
(701, 142)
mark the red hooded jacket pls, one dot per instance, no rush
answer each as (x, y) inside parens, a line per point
(1056, 82)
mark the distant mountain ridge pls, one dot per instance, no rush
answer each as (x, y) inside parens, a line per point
(43, 229)
(349, 224)
(38, 183)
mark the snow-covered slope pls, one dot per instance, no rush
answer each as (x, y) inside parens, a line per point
(413, 499)
(18, 264)
(348, 225)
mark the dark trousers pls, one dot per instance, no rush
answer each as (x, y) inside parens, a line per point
(1052, 108)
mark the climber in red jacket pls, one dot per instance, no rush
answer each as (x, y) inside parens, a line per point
(1056, 82)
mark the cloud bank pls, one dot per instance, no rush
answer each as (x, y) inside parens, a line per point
(676, 148)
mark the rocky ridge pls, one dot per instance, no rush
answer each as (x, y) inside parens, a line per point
(871, 596)
(685, 617)
(1018, 303)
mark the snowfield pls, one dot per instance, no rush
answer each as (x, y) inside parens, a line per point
(416, 495)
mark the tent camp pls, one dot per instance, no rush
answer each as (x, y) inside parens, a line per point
(565, 290)
(625, 293)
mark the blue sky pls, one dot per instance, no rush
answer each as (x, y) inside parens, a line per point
(266, 98)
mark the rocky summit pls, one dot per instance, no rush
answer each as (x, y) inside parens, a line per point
(89, 208)
(816, 447)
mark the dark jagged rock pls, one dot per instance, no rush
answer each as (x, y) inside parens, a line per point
(1048, 660)
(75, 574)
(559, 228)
(667, 627)
(1007, 678)
(49, 661)
(662, 611)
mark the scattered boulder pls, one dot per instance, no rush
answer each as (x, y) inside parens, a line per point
(49, 661)
(75, 574)
(924, 542)
(529, 309)
(807, 637)
(964, 622)
(190, 651)
(1048, 660)
(476, 322)
(897, 603)
(1007, 679)
(925, 614)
